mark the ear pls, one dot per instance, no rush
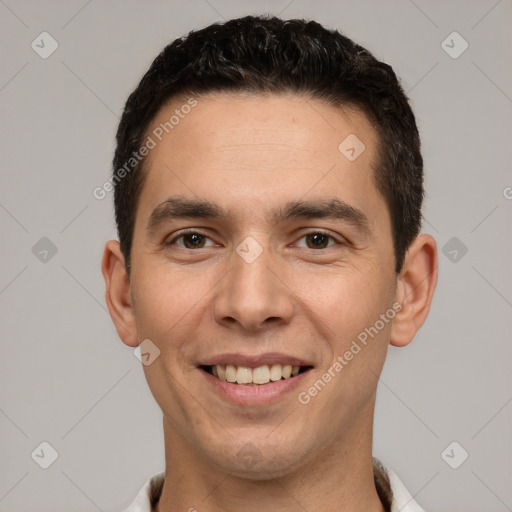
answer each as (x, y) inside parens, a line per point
(415, 289)
(118, 293)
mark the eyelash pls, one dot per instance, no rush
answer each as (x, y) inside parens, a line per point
(312, 232)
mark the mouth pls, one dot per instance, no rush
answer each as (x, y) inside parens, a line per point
(254, 377)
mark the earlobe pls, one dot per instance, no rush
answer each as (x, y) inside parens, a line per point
(118, 293)
(415, 289)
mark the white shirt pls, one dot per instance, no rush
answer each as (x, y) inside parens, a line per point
(402, 500)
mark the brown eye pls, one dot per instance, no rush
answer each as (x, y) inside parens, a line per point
(193, 241)
(317, 240)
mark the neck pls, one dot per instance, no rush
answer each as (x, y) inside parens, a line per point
(340, 478)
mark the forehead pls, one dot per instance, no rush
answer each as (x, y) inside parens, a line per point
(257, 149)
(226, 122)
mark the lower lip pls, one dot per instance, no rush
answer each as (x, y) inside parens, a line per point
(262, 394)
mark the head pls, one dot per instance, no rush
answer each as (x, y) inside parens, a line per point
(273, 218)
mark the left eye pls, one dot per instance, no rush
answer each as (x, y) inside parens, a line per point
(317, 240)
(192, 241)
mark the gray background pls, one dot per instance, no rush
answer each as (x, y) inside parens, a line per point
(65, 377)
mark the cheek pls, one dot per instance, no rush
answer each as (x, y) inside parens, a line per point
(164, 302)
(362, 328)
(350, 304)
(347, 299)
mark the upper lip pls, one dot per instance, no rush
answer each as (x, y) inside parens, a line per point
(254, 361)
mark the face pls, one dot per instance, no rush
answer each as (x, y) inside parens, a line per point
(262, 254)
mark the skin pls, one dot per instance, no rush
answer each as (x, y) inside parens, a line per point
(251, 155)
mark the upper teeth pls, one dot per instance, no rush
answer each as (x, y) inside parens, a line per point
(260, 375)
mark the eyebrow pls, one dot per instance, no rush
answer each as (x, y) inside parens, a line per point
(177, 207)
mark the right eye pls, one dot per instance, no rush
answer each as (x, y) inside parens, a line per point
(191, 240)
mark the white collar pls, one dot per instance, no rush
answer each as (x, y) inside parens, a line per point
(402, 500)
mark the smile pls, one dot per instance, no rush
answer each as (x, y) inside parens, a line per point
(259, 376)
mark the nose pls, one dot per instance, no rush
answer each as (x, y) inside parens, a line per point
(254, 295)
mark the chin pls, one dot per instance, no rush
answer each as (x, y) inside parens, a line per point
(258, 461)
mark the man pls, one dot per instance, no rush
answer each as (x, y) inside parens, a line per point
(268, 189)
